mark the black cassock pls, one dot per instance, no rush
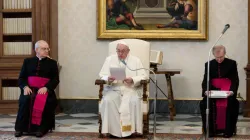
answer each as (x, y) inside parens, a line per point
(45, 68)
(226, 69)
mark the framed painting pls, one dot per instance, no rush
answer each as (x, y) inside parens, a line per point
(152, 19)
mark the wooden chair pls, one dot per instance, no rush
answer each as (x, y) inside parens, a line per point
(140, 49)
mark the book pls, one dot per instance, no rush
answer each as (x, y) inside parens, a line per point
(219, 94)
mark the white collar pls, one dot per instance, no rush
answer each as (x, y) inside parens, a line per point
(40, 58)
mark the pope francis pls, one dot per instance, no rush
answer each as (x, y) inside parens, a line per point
(120, 108)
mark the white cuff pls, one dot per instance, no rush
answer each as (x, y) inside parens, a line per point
(25, 87)
(105, 78)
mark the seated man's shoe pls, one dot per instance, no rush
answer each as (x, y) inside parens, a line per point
(227, 136)
(39, 134)
(18, 134)
(134, 135)
(210, 135)
(103, 135)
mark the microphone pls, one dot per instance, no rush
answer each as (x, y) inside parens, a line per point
(123, 62)
(227, 26)
(137, 69)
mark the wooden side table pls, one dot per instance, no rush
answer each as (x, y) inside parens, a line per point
(168, 73)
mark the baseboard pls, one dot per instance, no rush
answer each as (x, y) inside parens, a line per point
(91, 106)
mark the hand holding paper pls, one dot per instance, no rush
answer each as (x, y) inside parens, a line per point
(230, 93)
(220, 94)
(111, 79)
(207, 92)
(128, 81)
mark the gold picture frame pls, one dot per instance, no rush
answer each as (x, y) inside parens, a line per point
(199, 33)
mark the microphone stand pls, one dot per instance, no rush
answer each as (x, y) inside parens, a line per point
(208, 78)
(158, 88)
(156, 91)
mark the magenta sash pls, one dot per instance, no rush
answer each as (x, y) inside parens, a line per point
(221, 104)
(40, 100)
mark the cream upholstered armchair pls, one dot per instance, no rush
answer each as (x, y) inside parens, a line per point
(140, 49)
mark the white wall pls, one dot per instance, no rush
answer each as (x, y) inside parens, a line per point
(82, 56)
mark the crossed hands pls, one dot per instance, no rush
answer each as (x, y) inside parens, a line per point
(28, 91)
(128, 80)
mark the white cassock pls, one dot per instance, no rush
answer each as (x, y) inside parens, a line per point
(121, 105)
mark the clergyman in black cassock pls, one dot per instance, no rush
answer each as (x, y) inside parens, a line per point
(221, 69)
(37, 80)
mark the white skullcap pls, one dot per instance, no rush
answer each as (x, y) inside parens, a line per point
(122, 42)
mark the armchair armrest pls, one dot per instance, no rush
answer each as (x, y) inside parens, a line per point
(100, 82)
(144, 84)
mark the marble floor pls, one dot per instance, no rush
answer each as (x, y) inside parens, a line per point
(86, 122)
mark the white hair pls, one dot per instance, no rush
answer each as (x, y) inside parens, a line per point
(220, 46)
(37, 45)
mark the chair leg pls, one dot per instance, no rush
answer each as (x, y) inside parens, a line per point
(145, 125)
(170, 97)
(100, 126)
(101, 135)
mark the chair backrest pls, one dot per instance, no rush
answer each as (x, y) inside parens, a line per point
(138, 48)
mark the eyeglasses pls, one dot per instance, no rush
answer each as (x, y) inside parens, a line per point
(121, 51)
(218, 48)
(45, 49)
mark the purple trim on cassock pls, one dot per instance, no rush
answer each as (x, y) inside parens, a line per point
(40, 100)
(221, 104)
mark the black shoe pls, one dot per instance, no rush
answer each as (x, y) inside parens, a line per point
(39, 134)
(227, 136)
(134, 135)
(18, 134)
(210, 135)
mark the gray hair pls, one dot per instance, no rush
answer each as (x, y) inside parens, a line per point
(37, 45)
(224, 48)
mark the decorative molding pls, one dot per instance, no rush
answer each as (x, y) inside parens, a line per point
(91, 106)
(92, 98)
(247, 69)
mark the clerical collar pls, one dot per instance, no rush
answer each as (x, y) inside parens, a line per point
(40, 58)
(221, 61)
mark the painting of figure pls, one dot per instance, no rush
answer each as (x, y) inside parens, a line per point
(184, 15)
(119, 16)
(154, 16)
